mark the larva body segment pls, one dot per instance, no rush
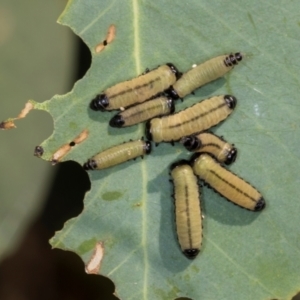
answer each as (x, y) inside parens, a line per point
(227, 183)
(207, 142)
(118, 154)
(187, 208)
(203, 74)
(196, 118)
(136, 90)
(142, 112)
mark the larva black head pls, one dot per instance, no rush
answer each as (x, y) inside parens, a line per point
(191, 143)
(90, 165)
(231, 156)
(116, 121)
(230, 101)
(194, 157)
(170, 92)
(191, 253)
(54, 162)
(174, 70)
(147, 147)
(238, 56)
(100, 102)
(38, 151)
(260, 205)
(148, 130)
(179, 163)
(233, 59)
(171, 105)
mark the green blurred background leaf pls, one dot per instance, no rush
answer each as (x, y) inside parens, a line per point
(35, 62)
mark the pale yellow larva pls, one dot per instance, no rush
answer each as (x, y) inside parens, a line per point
(226, 183)
(207, 142)
(203, 73)
(118, 154)
(196, 118)
(136, 90)
(142, 112)
(187, 208)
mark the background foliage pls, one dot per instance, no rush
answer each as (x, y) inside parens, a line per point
(32, 65)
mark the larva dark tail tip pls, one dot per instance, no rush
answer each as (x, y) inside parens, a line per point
(86, 166)
(191, 253)
(194, 157)
(148, 147)
(90, 165)
(230, 101)
(116, 121)
(38, 151)
(185, 141)
(191, 143)
(174, 70)
(148, 130)
(171, 105)
(179, 163)
(231, 157)
(93, 104)
(238, 56)
(54, 162)
(170, 92)
(100, 102)
(260, 205)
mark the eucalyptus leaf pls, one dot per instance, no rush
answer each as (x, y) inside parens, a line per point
(245, 255)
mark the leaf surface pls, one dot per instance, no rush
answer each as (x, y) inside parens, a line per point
(245, 255)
